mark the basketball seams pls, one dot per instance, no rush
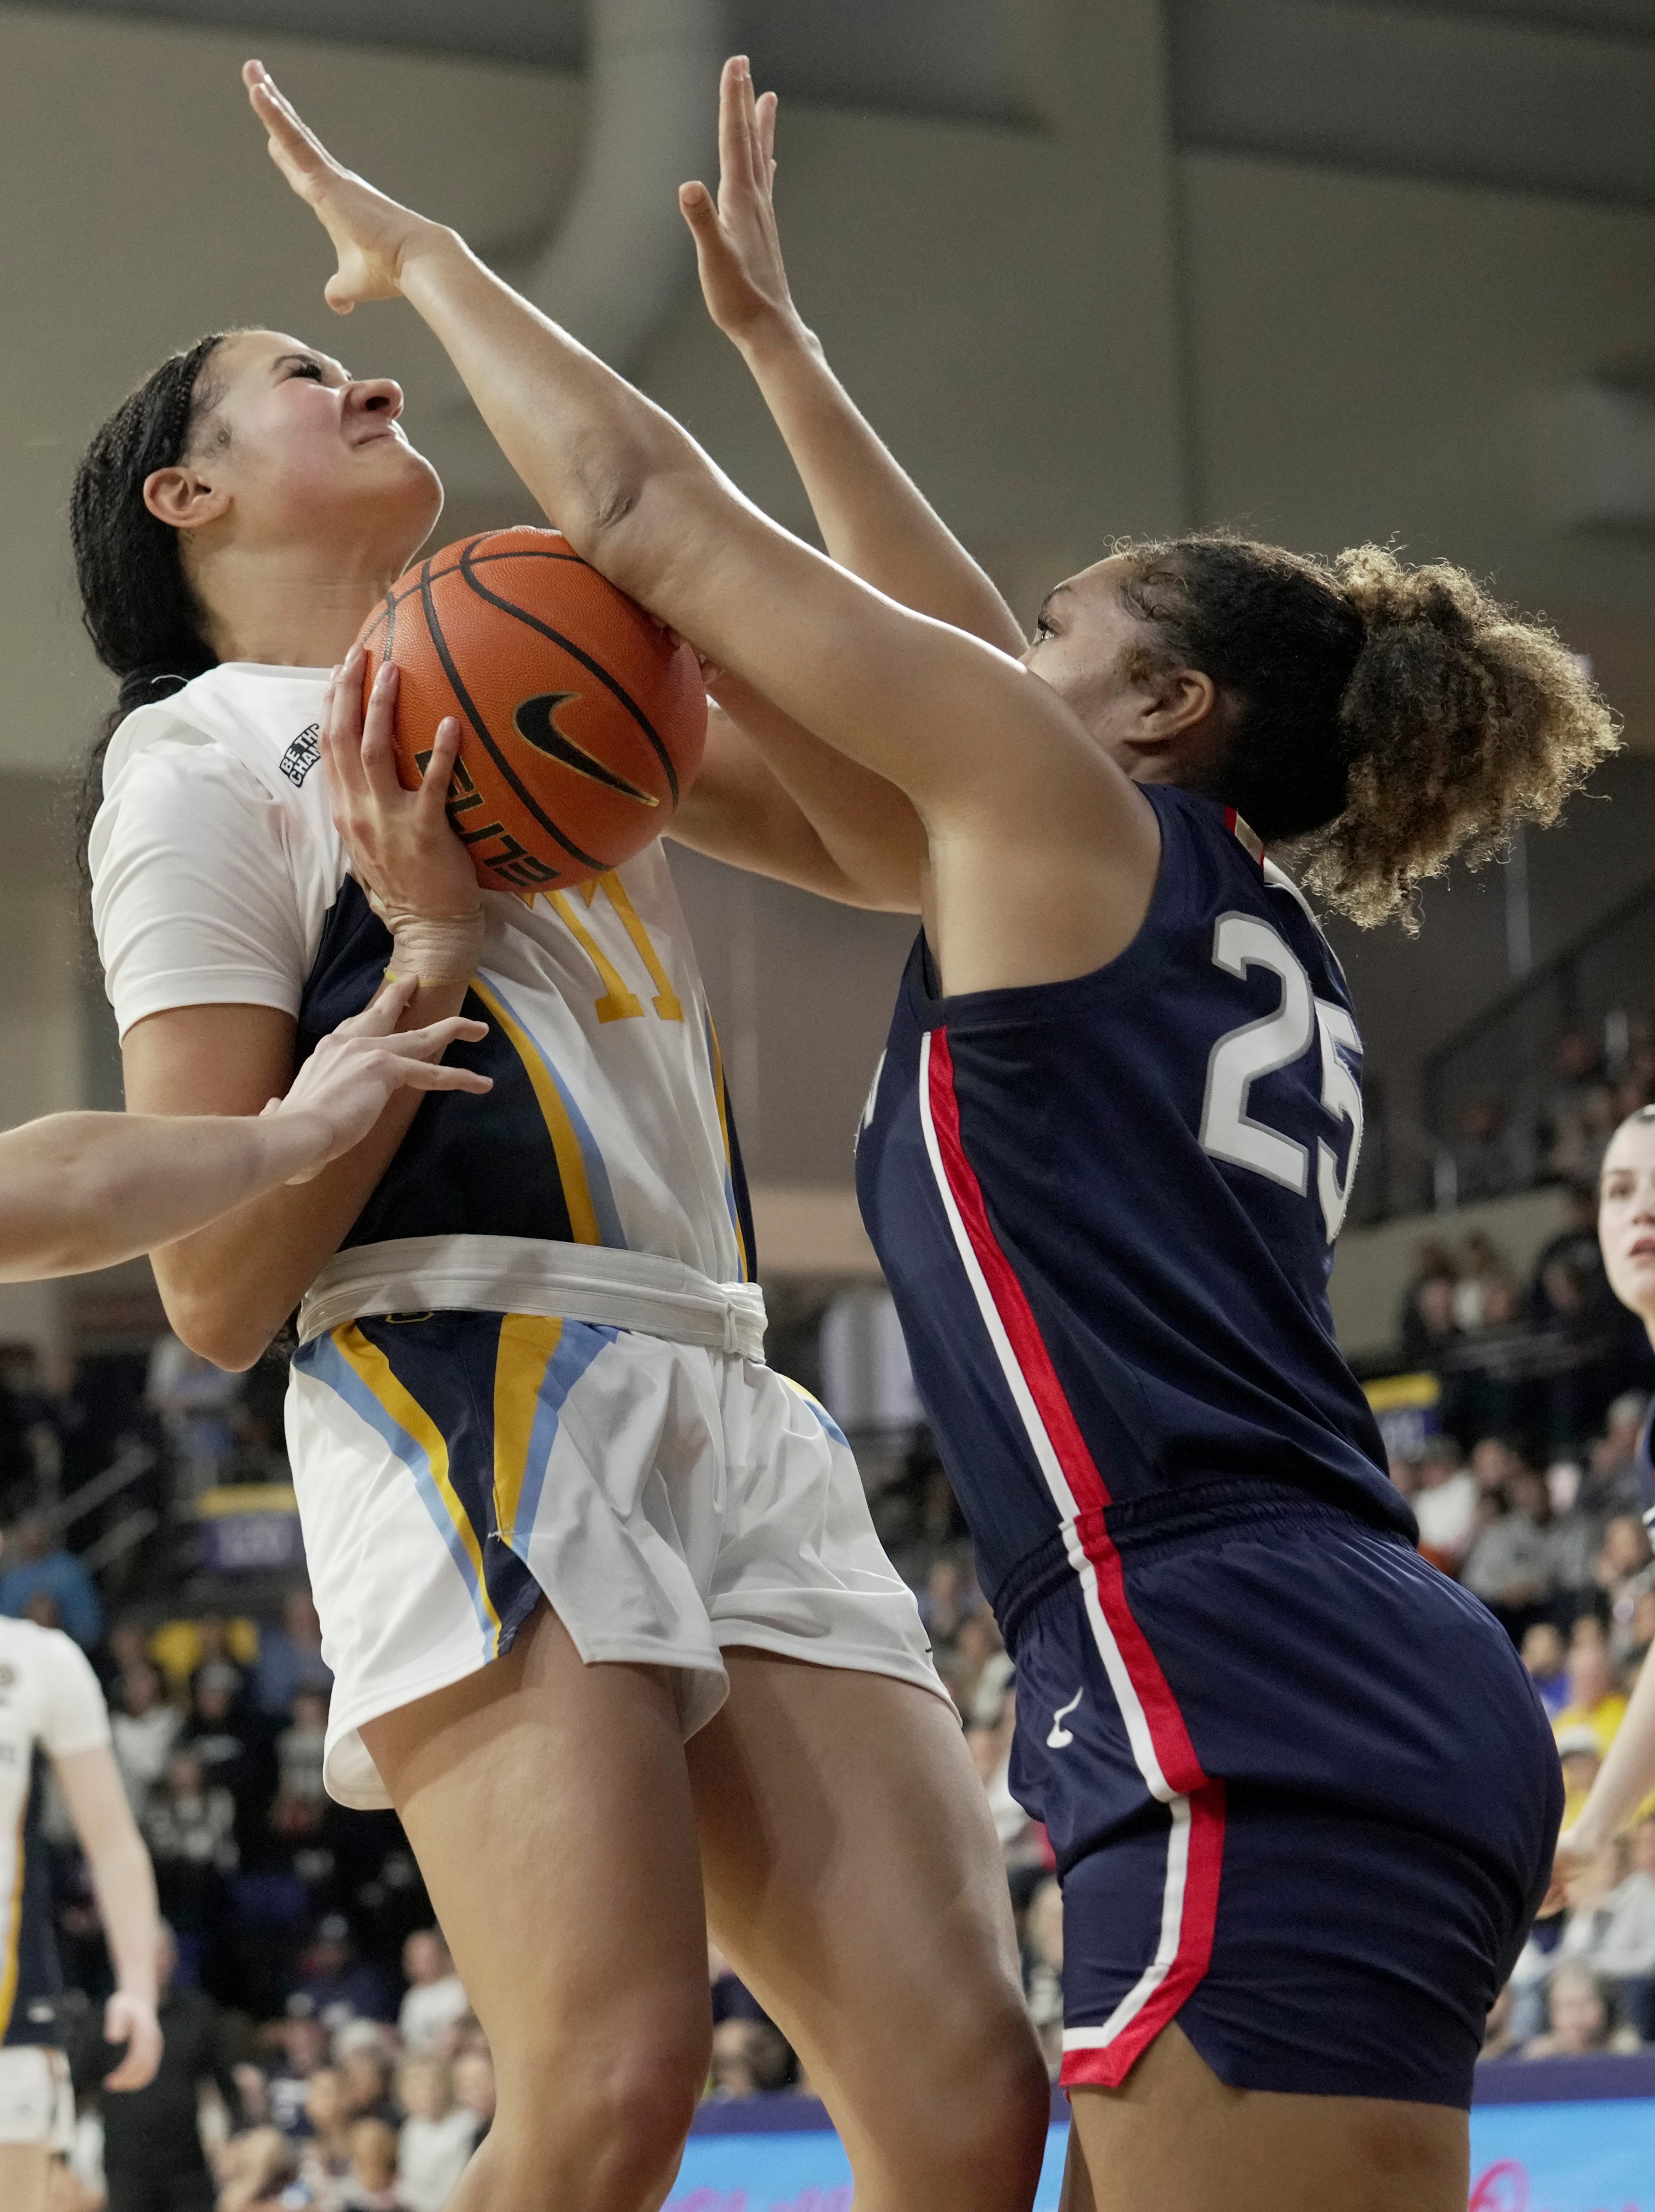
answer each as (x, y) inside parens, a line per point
(576, 652)
(456, 686)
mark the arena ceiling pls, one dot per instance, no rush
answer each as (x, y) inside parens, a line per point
(1545, 96)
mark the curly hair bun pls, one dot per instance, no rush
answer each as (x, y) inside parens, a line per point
(1460, 721)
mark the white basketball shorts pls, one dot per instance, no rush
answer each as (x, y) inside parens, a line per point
(37, 2105)
(669, 1501)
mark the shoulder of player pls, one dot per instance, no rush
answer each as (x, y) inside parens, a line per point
(252, 727)
(26, 1649)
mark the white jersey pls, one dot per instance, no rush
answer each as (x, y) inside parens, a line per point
(51, 1703)
(219, 878)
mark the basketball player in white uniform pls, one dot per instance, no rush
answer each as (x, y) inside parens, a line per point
(80, 1191)
(609, 1623)
(51, 1708)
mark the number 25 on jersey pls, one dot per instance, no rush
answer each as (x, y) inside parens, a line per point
(1228, 1132)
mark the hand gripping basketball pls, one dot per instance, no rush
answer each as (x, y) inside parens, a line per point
(580, 720)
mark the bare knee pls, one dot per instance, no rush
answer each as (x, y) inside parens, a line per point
(964, 2124)
(598, 2127)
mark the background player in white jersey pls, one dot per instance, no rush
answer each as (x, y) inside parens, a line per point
(530, 1359)
(51, 1708)
(1626, 1230)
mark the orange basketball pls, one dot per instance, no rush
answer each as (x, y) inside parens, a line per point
(582, 722)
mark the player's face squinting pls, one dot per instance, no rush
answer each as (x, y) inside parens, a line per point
(1626, 1218)
(1082, 647)
(307, 452)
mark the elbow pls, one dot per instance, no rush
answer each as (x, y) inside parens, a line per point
(202, 1324)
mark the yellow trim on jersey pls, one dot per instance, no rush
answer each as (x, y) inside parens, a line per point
(566, 1145)
(14, 1922)
(667, 1003)
(729, 1155)
(527, 1344)
(618, 1003)
(374, 1371)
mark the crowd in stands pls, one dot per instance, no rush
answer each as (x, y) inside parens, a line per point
(1597, 1078)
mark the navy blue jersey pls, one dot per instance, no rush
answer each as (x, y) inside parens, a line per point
(1106, 1210)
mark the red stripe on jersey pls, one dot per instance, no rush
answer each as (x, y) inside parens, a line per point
(1106, 2067)
(1173, 1749)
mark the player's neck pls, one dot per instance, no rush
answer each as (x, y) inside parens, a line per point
(280, 606)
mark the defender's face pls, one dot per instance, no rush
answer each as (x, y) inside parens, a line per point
(1084, 646)
(1626, 1218)
(308, 452)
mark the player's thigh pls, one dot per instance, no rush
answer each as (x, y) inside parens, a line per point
(549, 1806)
(24, 2169)
(1174, 2138)
(854, 1877)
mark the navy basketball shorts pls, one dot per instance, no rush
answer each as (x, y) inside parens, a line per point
(1302, 1795)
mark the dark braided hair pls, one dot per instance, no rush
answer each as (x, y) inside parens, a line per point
(136, 602)
(1383, 718)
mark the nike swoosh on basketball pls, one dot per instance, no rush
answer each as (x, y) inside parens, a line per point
(536, 719)
(1060, 1736)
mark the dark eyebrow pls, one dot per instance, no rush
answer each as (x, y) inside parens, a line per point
(316, 361)
(1055, 592)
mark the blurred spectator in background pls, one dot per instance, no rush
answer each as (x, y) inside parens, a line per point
(1490, 1157)
(751, 2058)
(1543, 1656)
(152, 2157)
(290, 1656)
(1583, 2015)
(1623, 1572)
(192, 1399)
(473, 2080)
(215, 1734)
(1596, 1699)
(437, 2137)
(144, 1728)
(258, 2168)
(300, 1805)
(324, 2151)
(1446, 1505)
(1508, 1566)
(1428, 1330)
(188, 1824)
(1624, 1948)
(34, 1564)
(1043, 1969)
(435, 1997)
(1579, 1754)
(339, 1984)
(370, 2184)
(365, 2070)
(1574, 1248)
(1483, 1268)
(304, 2046)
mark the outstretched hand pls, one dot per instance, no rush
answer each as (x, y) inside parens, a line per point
(371, 235)
(738, 248)
(347, 1082)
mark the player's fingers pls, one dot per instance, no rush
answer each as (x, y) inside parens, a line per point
(436, 1036)
(431, 801)
(381, 1016)
(282, 119)
(768, 104)
(378, 757)
(734, 152)
(437, 1075)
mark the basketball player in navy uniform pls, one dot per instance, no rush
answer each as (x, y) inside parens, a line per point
(1626, 1230)
(1303, 1797)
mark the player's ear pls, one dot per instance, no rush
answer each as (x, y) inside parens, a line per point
(182, 498)
(1183, 698)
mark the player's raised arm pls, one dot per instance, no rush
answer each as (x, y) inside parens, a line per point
(84, 1190)
(873, 519)
(1003, 774)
